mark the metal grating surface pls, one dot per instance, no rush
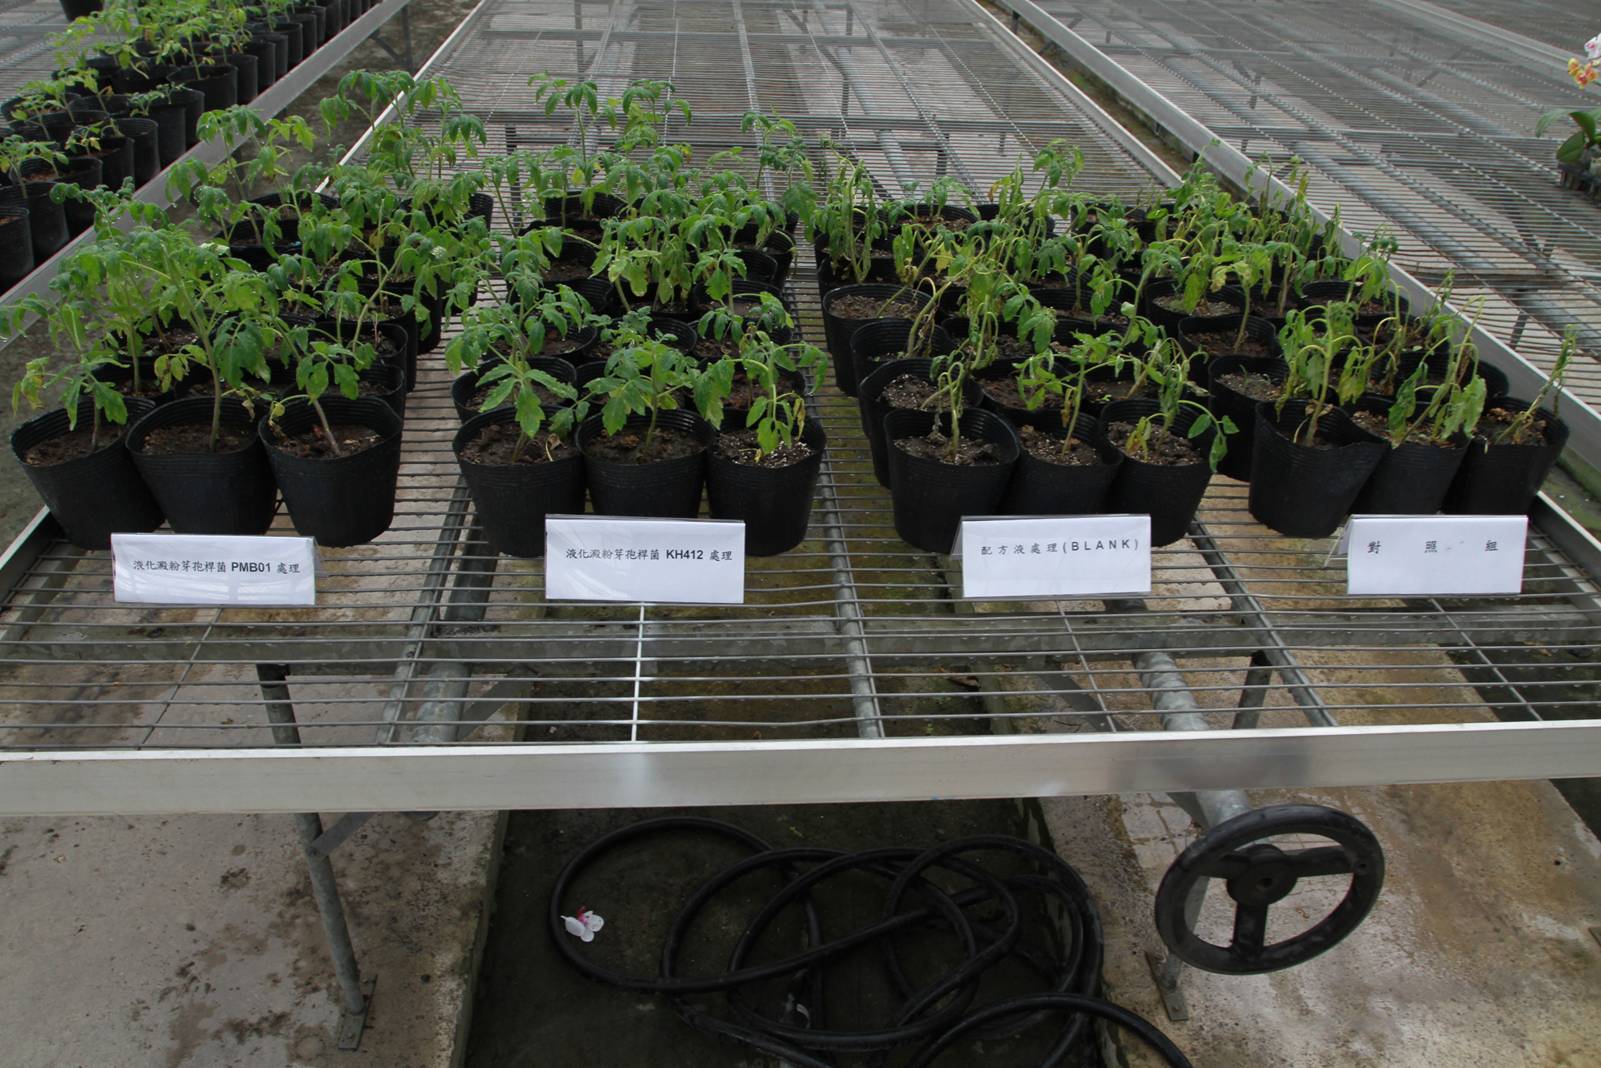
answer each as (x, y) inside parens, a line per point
(25, 50)
(1410, 119)
(422, 635)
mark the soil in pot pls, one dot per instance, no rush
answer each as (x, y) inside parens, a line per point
(1168, 484)
(88, 481)
(929, 494)
(513, 492)
(1165, 448)
(314, 444)
(1412, 478)
(497, 444)
(936, 445)
(628, 447)
(1304, 488)
(16, 246)
(773, 495)
(1051, 480)
(847, 309)
(1238, 384)
(1221, 341)
(344, 497)
(1504, 479)
(664, 478)
(229, 490)
(1256, 386)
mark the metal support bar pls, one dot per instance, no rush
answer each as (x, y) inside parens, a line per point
(355, 998)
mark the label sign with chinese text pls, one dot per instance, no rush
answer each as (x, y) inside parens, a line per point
(672, 561)
(214, 569)
(1055, 556)
(1435, 555)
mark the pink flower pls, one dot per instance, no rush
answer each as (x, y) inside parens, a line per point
(1592, 47)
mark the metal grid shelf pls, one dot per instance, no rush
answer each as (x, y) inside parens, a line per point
(432, 674)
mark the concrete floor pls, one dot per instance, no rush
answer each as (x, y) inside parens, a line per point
(193, 942)
(1479, 952)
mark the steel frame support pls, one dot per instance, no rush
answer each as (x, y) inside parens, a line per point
(355, 996)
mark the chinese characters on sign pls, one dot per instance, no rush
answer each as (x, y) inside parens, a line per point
(213, 569)
(674, 561)
(1055, 556)
(1438, 554)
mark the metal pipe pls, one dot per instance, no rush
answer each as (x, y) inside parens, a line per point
(273, 679)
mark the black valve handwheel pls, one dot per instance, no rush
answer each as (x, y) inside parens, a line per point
(1259, 874)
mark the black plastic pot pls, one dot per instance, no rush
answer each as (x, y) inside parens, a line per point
(144, 135)
(246, 76)
(1495, 379)
(116, 159)
(217, 82)
(93, 496)
(47, 218)
(601, 294)
(565, 210)
(463, 388)
(775, 503)
(86, 172)
(209, 492)
(16, 245)
(1301, 490)
(1227, 402)
(881, 269)
(838, 330)
(668, 489)
(171, 118)
(1256, 329)
(930, 497)
(1328, 291)
(1168, 318)
(94, 108)
(262, 50)
(339, 500)
(131, 80)
(512, 500)
(1411, 478)
(873, 410)
(1168, 493)
(1504, 479)
(52, 125)
(1039, 487)
(874, 343)
(387, 383)
(77, 9)
(294, 41)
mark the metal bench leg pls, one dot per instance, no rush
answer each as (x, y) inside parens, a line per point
(355, 996)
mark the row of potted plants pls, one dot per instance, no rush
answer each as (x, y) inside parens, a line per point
(1132, 349)
(623, 331)
(287, 312)
(126, 100)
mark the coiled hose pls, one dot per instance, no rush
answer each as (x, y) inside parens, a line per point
(935, 1012)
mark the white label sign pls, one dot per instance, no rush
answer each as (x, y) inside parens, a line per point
(1417, 555)
(1055, 556)
(671, 561)
(214, 569)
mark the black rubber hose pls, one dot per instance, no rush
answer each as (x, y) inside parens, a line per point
(938, 1014)
(908, 1026)
(1066, 1002)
